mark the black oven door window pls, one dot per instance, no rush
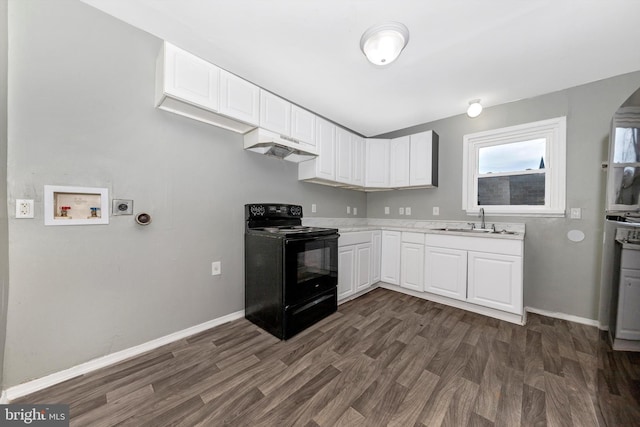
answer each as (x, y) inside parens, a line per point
(311, 267)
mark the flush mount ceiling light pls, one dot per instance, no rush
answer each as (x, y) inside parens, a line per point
(475, 108)
(383, 43)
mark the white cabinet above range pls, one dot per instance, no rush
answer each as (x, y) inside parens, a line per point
(281, 116)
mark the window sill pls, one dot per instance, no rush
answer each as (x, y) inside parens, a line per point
(533, 214)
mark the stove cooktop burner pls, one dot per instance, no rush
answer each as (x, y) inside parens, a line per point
(288, 229)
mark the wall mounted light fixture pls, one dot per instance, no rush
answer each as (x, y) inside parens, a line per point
(383, 43)
(475, 108)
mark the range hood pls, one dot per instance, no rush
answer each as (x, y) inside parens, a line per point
(269, 143)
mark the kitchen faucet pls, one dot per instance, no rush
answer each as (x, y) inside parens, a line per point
(482, 224)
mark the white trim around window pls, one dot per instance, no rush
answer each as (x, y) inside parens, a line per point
(554, 131)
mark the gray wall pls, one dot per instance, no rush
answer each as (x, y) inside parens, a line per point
(559, 275)
(81, 113)
(4, 231)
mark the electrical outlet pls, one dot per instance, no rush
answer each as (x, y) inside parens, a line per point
(24, 208)
(387, 211)
(348, 210)
(401, 211)
(355, 211)
(407, 210)
(576, 213)
(436, 210)
(313, 208)
(216, 268)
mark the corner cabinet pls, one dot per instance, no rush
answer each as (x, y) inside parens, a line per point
(377, 164)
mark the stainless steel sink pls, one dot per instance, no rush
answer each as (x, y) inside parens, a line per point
(477, 230)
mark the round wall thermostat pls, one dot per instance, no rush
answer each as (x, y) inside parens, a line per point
(143, 218)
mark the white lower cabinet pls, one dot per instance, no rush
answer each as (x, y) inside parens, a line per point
(376, 253)
(390, 260)
(346, 271)
(445, 272)
(480, 271)
(495, 281)
(354, 263)
(363, 266)
(412, 261)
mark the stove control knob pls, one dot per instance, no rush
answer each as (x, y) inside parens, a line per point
(296, 210)
(257, 210)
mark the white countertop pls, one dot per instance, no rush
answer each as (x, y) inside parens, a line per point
(349, 225)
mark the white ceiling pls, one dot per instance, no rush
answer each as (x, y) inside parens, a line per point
(308, 51)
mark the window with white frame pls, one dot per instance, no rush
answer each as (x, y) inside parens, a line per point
(518, 170)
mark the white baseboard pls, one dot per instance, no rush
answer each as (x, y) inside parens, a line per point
(497, 314)
(563, 316)
(32, 386)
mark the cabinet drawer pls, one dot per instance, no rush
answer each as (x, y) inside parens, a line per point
(354, 238)
(409, 237)
(630, 259)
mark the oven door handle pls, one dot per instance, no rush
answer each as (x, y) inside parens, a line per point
(308, 239)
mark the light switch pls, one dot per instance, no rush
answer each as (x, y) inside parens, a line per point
(386, 210)
(436, 211)
(313, 208)
(401, 211)
(348, 209)
(407, 210)
(355, 211)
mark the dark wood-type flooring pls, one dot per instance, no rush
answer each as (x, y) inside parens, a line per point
(618, 385)
(385, 359)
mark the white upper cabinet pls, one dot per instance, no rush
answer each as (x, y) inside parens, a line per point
(190, 86)
(344, 156)
(189, 78)
(349, 158)
(275, 113)
(399, 150)
(281, 116)
(239, 98)
(323, 167)
(303, 125)
(423, 165)
(357, 147)
(377, 163)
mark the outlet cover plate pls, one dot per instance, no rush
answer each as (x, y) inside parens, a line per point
(122, 207)
(24, 208)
